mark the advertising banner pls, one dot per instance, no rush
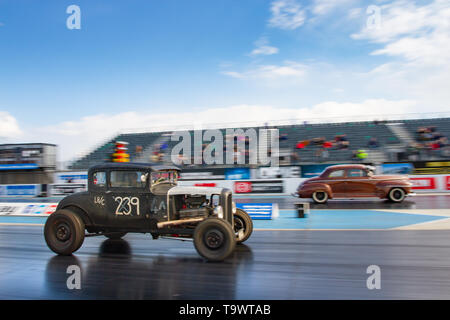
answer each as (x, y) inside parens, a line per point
(20, 190)
(259, 186)
(431, 167)
(237, 173)
(397, 168)
(71, 177)
(65, 189)
(203, 174)
(276, 172)
(19, 166)
(27, 209)
(260, 211)
(425, 183)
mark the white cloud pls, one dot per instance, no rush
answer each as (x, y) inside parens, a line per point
(419, 34)
(79, 137)
(286, 14)
(263, 48)
(289, 70)
(322, 7)
(355, 13)
(418, 38)
(8, 126)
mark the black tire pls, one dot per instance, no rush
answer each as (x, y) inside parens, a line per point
(64, 232)
(320, 197)
(116, 235)
(214, 239)
(242, 221)
(396, 195)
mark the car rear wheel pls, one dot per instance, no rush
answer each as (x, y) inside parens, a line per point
(214, 239)
(243, 225)
(320, 197)
(396, 195)
(64, 232)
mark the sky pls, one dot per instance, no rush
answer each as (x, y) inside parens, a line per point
(135, 64)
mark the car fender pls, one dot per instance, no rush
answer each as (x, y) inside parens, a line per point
(307, 190)
(79, 212)
(73, 203)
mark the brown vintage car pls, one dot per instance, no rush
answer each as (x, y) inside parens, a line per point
(354, 181)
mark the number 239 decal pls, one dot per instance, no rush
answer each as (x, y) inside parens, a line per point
(126, 204)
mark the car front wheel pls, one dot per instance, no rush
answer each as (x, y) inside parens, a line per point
(396, 195)
(64, 232)
(320, 197)
(214, 239)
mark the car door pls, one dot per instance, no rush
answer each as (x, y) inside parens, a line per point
(359, 184)
(337, 181)
(128, 198)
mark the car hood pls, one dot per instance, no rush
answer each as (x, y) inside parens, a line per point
(194, 190)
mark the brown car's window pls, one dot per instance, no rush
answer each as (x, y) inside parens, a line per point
(356, 173)
(336, 174)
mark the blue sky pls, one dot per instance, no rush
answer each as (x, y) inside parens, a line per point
(140, 63)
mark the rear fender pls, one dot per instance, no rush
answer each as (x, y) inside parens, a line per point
(79, 212)
(383, 187)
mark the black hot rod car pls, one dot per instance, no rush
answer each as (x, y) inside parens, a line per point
(143, 198)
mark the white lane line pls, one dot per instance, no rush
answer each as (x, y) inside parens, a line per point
(426, 212)
(441, 224)
(323, 229)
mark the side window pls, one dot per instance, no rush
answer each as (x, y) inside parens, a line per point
(356, 173)
(99, 179)
(127, 179)
(336, 174)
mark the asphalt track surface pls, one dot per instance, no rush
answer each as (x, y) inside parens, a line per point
(279, 264)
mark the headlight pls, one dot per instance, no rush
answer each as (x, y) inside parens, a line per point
(233, 207)
(219, 211)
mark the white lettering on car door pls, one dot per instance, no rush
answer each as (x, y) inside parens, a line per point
(125, 206)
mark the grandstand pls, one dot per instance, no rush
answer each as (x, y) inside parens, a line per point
(394, 140)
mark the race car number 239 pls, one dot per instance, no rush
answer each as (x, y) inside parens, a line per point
(126, 204)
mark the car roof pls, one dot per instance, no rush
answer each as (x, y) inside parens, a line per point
(132, 166)
(346, 166)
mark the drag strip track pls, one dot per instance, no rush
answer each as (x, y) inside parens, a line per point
(272, 265)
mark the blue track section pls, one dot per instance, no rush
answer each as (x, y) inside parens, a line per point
(27, 220)
(343, 219)
(317, 219)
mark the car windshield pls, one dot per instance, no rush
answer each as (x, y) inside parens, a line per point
(163, 176)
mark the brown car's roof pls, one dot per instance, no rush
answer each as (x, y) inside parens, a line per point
(346, 166)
